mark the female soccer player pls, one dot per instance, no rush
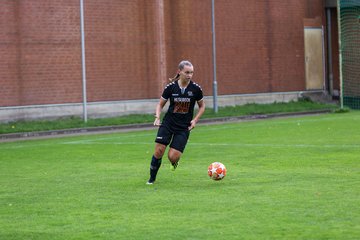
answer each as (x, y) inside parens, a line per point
(178, 121)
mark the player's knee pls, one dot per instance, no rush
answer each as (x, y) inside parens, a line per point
(174, 155)
(159, 151)
(173, 159)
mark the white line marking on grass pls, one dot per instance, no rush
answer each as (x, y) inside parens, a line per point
(121, 137)
(83, 141)
(35, 145)
(109, 143)
(231, 144)
(194, 144)
(277, 145)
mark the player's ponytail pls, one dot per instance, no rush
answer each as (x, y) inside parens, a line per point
(176, 77)
(181, 66)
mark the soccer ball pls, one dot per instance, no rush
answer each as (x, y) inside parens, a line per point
(217, 171)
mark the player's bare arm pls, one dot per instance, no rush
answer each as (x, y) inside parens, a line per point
(159, 107)
(201, 105)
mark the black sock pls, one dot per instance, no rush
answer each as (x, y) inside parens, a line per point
(154, 167)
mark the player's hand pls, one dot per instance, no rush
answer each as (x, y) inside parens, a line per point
(157, 122)
(192, 125)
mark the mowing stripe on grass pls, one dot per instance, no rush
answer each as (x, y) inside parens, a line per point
(229, 144)
(200, 144)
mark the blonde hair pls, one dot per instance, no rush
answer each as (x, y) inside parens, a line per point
(181, 66)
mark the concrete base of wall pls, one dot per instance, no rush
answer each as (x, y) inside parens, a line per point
(118, 108)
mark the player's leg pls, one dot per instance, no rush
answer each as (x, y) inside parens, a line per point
(156, 161)
(174, 157)
(177, 147)
(162, 140)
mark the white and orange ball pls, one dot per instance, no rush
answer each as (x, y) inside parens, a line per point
(217, 171)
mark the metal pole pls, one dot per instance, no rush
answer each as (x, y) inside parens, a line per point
(340, 55)
(215, 104)
(161, 41)
(83, 60)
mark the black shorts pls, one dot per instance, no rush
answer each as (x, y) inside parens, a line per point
(178, 138)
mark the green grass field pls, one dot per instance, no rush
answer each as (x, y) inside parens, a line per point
(287, 178)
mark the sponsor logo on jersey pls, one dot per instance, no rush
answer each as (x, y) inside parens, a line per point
(181, 99)
(182, 105)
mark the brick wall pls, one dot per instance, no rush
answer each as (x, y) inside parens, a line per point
(121, 50)
(260, 47)
(41, 48)
(9, 60)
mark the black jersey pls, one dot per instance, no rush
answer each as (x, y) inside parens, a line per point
(182, 102)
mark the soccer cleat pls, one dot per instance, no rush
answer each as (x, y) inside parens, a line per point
(150, 182)
(173, 166)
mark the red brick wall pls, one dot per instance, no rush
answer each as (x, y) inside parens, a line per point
(188, 36)
(42, 51)
(121, 50)
(9, 59)
(260, 47)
